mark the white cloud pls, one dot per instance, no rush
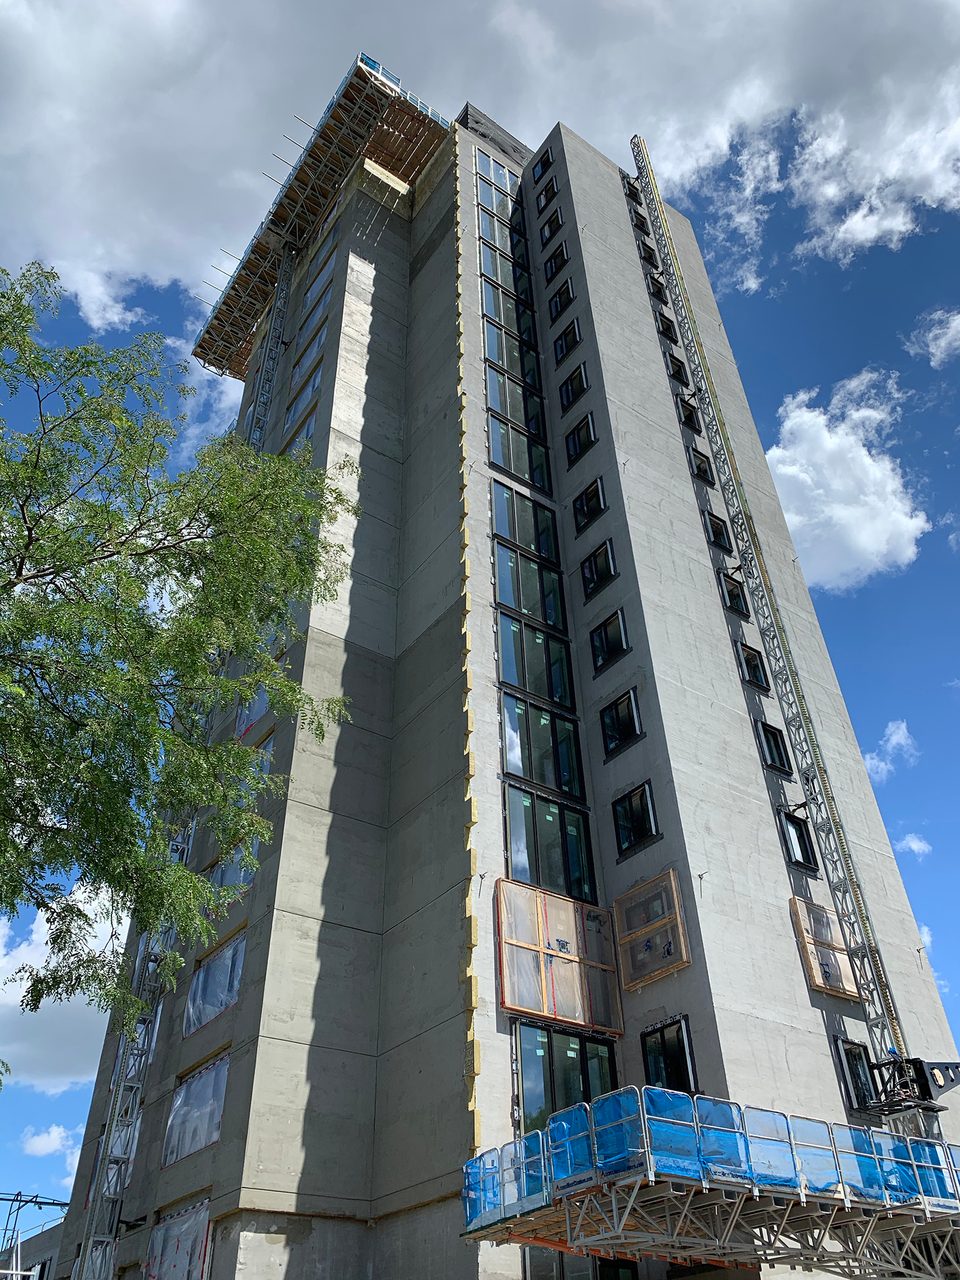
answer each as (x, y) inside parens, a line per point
(212, 408)
(56, 1048)
(936, 338)
(926, 937)
(896, 744)
(912, 843)
(142, 156)
(844, 495)
(56, 1140)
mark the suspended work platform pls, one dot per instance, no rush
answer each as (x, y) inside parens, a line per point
(704, 1180)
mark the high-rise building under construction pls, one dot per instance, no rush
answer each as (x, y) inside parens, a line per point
(598, 819)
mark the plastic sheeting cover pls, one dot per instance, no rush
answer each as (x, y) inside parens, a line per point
(178, 1245)
(195, 1111)
(215, 985)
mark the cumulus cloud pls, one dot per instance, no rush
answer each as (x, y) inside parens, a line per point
(912, 843)
(926, 937)
(56, 1048)
(846, 500)
(936, 338)
(156, 143)
(56, 1140)
(212, 407)
(897, 744)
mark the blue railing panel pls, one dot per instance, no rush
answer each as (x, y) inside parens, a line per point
(859, 1166)
(935, 1173)
(723, 1143)
(896, 1167)
(771, 1151)
(523, 1174)
(570, 1146)
(674, 1149)
(481, 1189)
(618, 1131)
(816, 1157)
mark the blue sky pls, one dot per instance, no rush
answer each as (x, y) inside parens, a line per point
(827, 204)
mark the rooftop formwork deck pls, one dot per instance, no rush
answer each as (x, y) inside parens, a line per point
(370, 115)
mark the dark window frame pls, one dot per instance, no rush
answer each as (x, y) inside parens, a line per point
(574, 433)
(590, 876)
(567, 340)
(726, 580)
(718, 532)
(613, 747)
(666, 328)
(763, 683)
(539, 511)
(541, 165)
(639, 220)
(551, 227)
(788, 820)
(574, 387)
(585, 515)
(584, 1073)
(657, 288)
(627, 801)
(563, 296)
(552, 637)
(701, 466)
(605, 549)
(541, 567)
(658, 1029)
(677, 369)
(576, 796)
(773, 747)
(688, 413)
(856, 1101)
(649, 253)
(537, 454)
(547, 193)
(554, 264)
(601, 631)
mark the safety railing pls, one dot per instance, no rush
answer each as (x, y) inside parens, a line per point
(653, 1135)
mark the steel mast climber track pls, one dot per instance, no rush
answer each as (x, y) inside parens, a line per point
(884, 1027)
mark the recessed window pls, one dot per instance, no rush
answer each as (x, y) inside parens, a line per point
(717, 532)
(529, 587)
(667, 328)
(688, 414)
(634, 820)
(513, 450)
(858, 1083)
(560, 300)
(550, 228)
(215, 985)
(824, 952)
(608, 641)
(589, 504)
(620, 722)
(701, 466)
(195, 1112)
(178, 1243)
(565, 342)
(668, 1056)
(506, 310)
(549, 844)
(648, 253)
(657, 288)
(640, 222)
(678, 370)
(558, 1069)
(541, 746)
(734, 594)
(598, 569)
(534, 660)
(751, 664)
(573, 387)
(547, 193)
(798, 840)
(773, 747)
(650, 935)
(511, 399)
(580, 438)
(556, 262)
(525, 522)
(497, 232)
(542, 165)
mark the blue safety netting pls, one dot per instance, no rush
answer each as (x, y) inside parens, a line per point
(657, 1134)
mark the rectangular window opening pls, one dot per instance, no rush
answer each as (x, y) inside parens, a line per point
(620, 723)
(573, 387)
(598, 569)
(608, 641)
(701, 466)
(718, 532)
(798, 841)
(668, 1056)
(651, 937)
(589, 505)
(773, 747)
(634, 819)
(579, 439)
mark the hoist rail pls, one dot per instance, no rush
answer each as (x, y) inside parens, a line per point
(883, 1023)
(263, 396)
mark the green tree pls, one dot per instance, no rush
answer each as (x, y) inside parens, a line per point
(136, 607)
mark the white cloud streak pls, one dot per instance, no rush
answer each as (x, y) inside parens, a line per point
(936, 338)
(912, 843)
(55, 1140)
(142, 156)
(846, 500)
(897, 744)
(926, 937)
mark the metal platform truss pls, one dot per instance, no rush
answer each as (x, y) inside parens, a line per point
(370, 115)
(274, 349)
(883, 1023)
(119, 1139)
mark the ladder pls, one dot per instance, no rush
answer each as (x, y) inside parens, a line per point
(263, 395)
(884, 1028)
(118, 1142)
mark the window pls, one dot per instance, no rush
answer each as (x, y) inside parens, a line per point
(657, 288)
(549, 845)
(518, 453)
(215, 985)
(648, 253)
(678, 370)
(854, 1059)
(651, 939)
(505, 178)
(542, 165)
(667, 328)
(265, 754)
(195, 1112)
(510, 399)
(309, 354)
(700, 465)
(565, 342)
(620, 722)
(299, 405)
(506, 310)
(717, 532)
(825, 958)
(734, 594)
(320, 281)
(528, 587)
(302, 435)
(751, 665)
(639, 221)
(588, 505)
(579, 439)
(560, 300)
(532, 660)
(773, 747)
(598, 569)
(556, 262)
(548, 1264)
(528, 523)
(798, 841)
(688, 415)
(608, 641)
(572, 388)
(178, 1245)
(551, 227)
(248, 713)
(496, 265)
(497, 232)
(556, 958)
(233, 872)
(668, 1056)
(504, 349)
(558, 1069)
(541, 746)
(496, 201)
(546, 194)
(634, 819)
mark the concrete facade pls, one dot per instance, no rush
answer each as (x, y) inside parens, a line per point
(369, 1050)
